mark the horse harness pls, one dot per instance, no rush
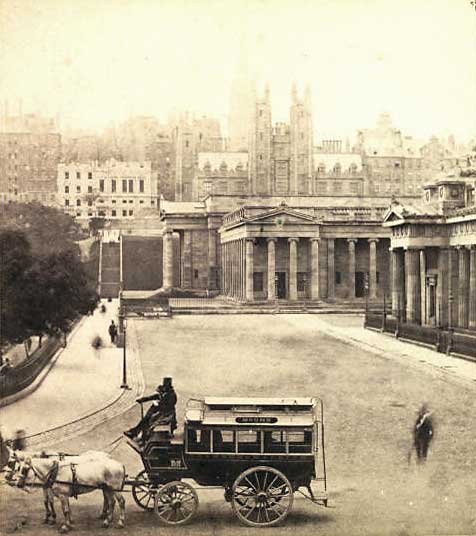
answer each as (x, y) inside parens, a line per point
(51, 477)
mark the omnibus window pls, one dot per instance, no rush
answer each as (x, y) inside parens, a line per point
(249, 441)
(300, 442)
(275, 442)
(223, 441)
(198, 440)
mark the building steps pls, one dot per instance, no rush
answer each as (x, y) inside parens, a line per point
(110, 270)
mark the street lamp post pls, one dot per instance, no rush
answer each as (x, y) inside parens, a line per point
(124, 355)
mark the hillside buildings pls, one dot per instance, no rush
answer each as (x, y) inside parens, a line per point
(113, 190)
(30, 150)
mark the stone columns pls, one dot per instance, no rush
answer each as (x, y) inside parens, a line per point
(331, 273)
(212, 259)
(315, 294)
(397, 282)
(453, 290)
(373, 268)
(168, 260)
(249, 269)
(424, 319)
(271, 268)
(463, 287)
(293, 268)
(472, 289)
(442, 288)
(412, 275)
(351, 281)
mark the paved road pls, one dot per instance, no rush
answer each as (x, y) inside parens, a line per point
(371, 396)
(82, 380)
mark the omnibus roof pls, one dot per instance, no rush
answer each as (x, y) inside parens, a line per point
(266, 412)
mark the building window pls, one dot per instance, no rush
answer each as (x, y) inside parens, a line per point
(131, 201)
(78, 213)
(337, 169)
(258, 281)
(301, 281)
(131, 186)
(113, 185)
(66, 175)
(195, 274)
(131, 212)
(124, 201)
(101, 185)
(78, 174)
(261, 113)
(321, 168)
(124, 186)
(66, 189)
(90, 213)
(124, 212)
(187, 143)
(152, 202)
(90, 203)
(141, 202)
(66, 202)
(113, 201)
(78, 189)
(260, 135)
(141, 186)
(261, 157)
(90, 189)
(113, 213)
(90, 175)
(338, 278)
(377, 279)
(101, 213)
(78, 202)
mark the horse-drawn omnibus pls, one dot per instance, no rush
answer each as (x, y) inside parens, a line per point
(260, 450)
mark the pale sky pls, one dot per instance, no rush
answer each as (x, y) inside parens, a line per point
(97, 61)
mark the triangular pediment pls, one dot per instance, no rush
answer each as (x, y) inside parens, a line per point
(394, 215)
(282, 216)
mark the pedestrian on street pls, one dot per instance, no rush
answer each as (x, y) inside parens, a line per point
(423, 432)
(113, 331)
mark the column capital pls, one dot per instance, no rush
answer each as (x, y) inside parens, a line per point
(250, 239)
(315, 239)
(352, 240)
(370, 240)
(293, 239)
(414, 248)
(271, 239)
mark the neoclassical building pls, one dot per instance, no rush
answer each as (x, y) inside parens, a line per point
(433, 252)
(264, 248)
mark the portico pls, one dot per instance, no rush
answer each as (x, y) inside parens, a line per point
(433, 250)
(284, 253)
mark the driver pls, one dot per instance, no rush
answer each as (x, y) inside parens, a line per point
(163, 407)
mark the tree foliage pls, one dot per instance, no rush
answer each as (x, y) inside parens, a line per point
(43, 284)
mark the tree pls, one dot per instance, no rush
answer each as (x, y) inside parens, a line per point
(43, 283)
(95, 224)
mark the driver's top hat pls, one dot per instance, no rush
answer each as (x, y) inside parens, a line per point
(167, 382)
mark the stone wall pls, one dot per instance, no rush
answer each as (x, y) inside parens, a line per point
(142, 262)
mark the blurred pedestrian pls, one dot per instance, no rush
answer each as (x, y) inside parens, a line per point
(19, 441)
(423, 432)
(113, 331)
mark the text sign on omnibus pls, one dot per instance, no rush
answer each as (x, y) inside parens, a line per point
(256, 420)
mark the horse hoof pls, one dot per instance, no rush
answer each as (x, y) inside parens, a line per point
(120, 524)
(64, 529)
(105, 524)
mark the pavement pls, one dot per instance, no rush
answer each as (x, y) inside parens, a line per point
(81, 381)
(350, 329)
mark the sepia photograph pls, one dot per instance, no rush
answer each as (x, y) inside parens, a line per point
(238, 267)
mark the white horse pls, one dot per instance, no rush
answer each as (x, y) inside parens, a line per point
(73, 476)
(16, 457)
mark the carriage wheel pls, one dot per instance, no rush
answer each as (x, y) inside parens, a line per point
(176, 503)
(144, 493)
(262, 496)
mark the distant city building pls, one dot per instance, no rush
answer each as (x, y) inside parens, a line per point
(401, 165)
(113, 190)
